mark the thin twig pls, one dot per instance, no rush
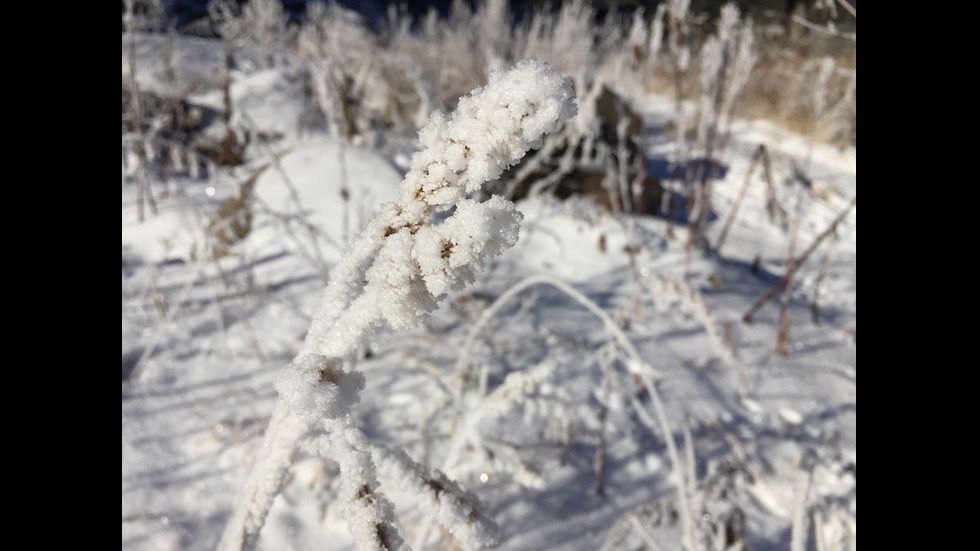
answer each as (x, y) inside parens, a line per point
(850, 9)
(797, 264)
(600, 454)
(782, 335)
(824, 30)
(814, 308)
(741, 195)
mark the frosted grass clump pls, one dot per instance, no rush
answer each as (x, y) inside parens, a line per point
(518, 389)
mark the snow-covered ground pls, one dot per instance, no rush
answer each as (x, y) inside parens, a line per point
(772, 438)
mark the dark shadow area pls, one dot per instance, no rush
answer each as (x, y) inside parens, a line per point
(663, 169)
(129, 360)
(676, 207)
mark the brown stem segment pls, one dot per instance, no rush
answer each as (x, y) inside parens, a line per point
(798, 263)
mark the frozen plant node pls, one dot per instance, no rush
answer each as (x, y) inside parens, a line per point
(316, 387)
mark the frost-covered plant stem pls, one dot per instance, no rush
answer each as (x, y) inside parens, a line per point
(798, 532)
(395, 272)
(142, 145)
(723, 73)
(821, 275)
(782, 337)
(606, 364)
(680, 58)
(820, 99)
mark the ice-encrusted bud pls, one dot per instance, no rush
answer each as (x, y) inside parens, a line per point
(451, 254)
(317, 387)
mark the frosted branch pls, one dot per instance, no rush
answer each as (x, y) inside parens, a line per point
(439, 497)
(369, 513)
(395, 272)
